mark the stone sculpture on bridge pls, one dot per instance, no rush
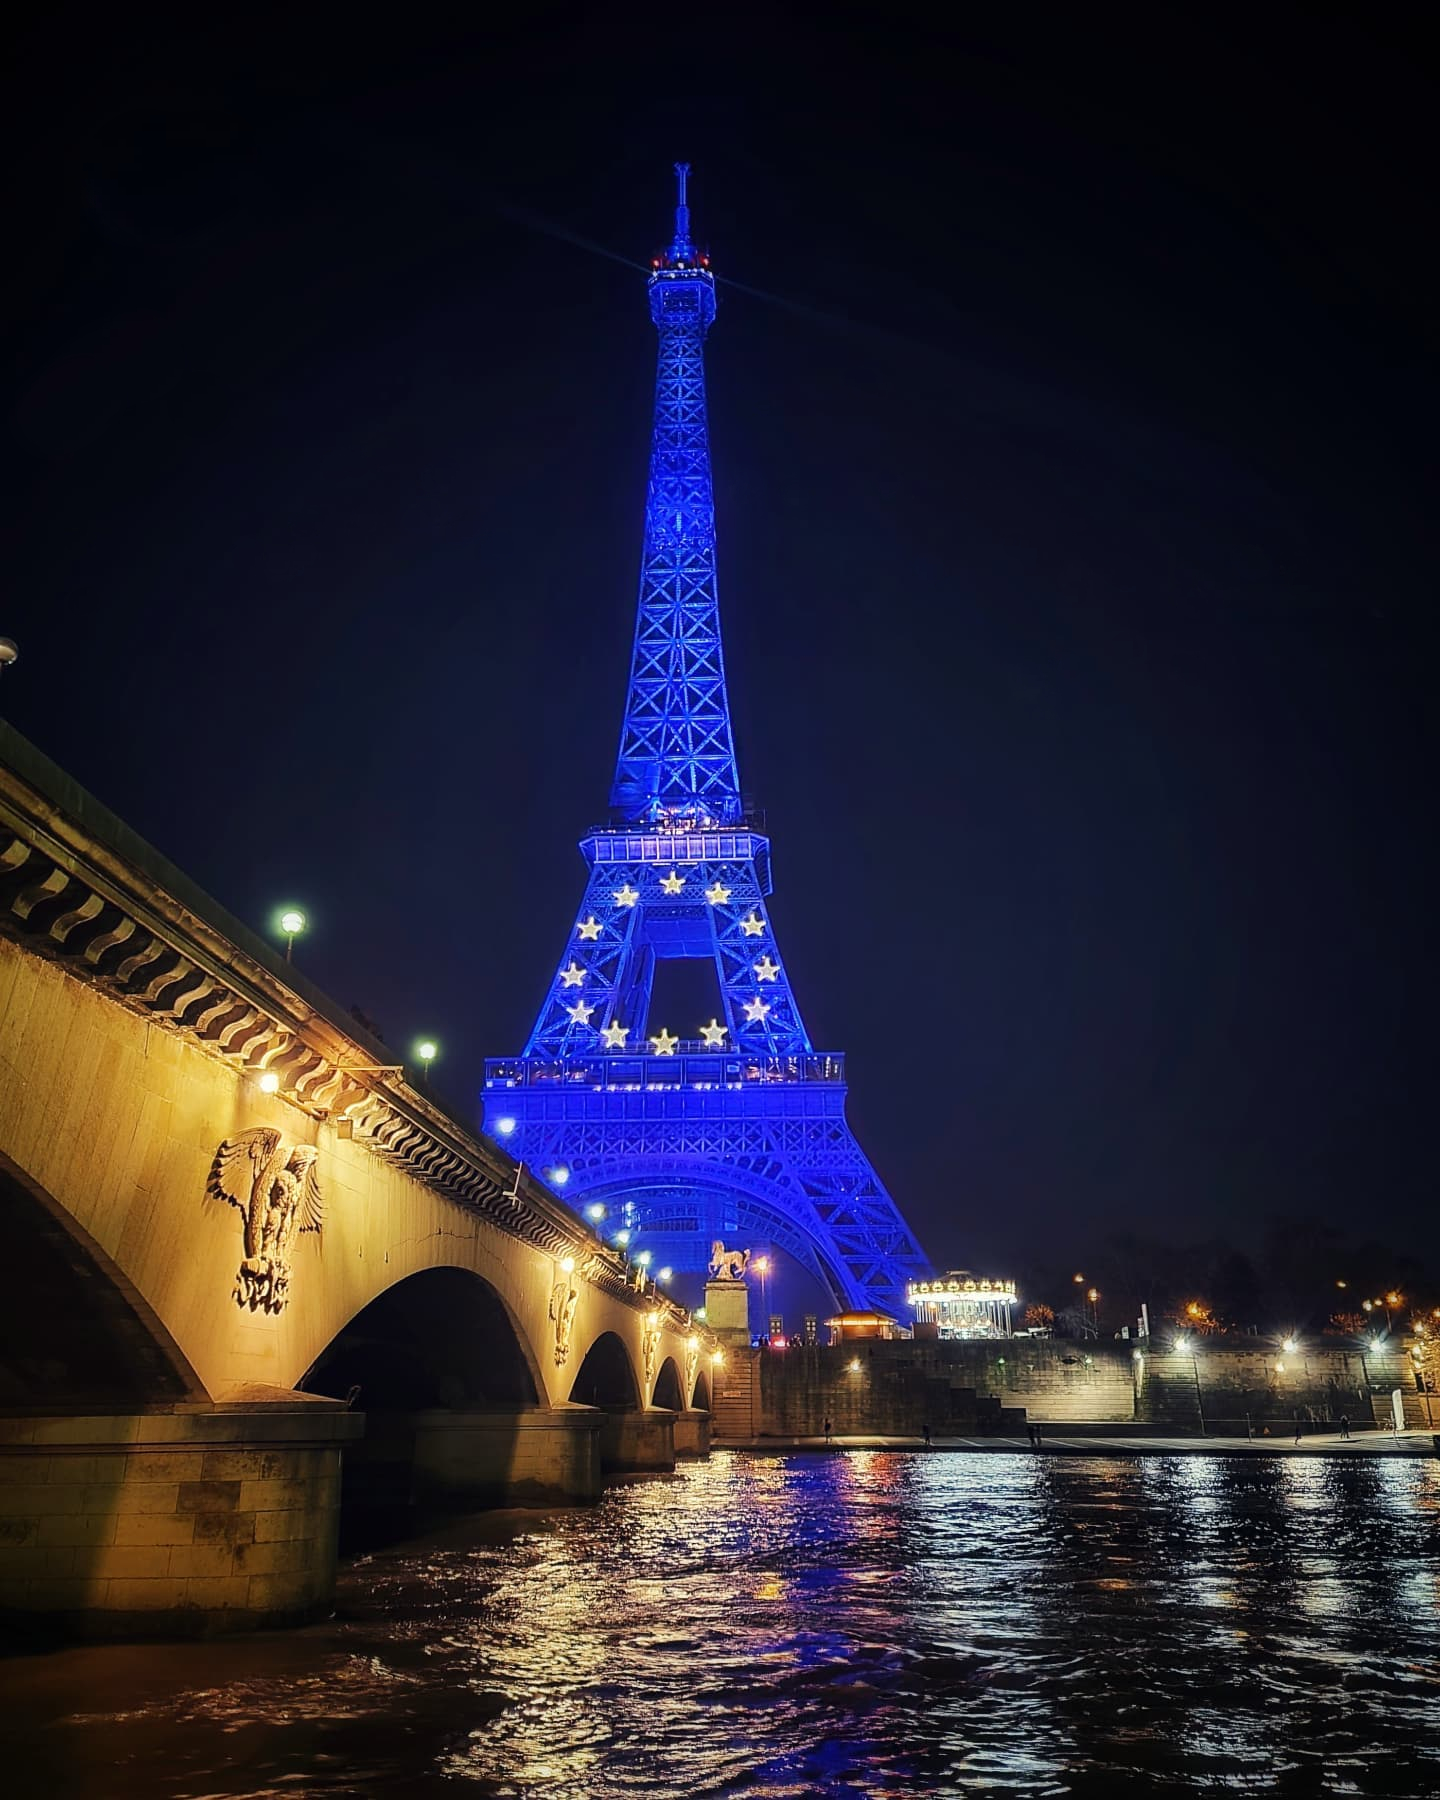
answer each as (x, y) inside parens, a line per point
(275, 1188)
(727, 1265)
(564, 1298)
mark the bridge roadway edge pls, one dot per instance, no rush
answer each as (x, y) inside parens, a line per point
(136, 1019)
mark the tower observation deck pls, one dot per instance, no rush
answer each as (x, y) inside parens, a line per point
(733, 1129)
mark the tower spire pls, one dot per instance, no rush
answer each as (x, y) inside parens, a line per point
(677, 752)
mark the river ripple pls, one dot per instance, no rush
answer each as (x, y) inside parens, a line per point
(862, 1623)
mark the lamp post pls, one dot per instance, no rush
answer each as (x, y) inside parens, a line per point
(292, 923)
(762, 1264)
(427, 1050)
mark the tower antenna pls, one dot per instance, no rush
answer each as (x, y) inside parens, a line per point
(682, 247)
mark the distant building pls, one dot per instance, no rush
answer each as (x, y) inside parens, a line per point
(958, 1305)
(849, 1327)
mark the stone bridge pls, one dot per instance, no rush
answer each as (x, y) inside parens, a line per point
(239, 1242)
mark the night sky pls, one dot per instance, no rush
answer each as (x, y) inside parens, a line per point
(1072, 405)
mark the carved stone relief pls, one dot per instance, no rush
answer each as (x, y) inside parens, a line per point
(273, 1186)
(564, 1298)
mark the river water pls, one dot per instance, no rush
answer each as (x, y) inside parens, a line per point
(858, 1623)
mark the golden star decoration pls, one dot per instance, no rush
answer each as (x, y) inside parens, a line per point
(717, 893)
(754, 926)
(573, 976)
(626, 896)
(767, 970)
(713, 1034)
(580, 1012)
(588, 929)
(755, 1009)
(672, 883)
(664, 1044)
(615, 1035)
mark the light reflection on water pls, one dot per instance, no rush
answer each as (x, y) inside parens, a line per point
(859, 1623)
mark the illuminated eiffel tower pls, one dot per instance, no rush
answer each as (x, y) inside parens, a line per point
(739, 1133)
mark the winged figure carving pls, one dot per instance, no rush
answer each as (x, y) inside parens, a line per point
(274, 1187)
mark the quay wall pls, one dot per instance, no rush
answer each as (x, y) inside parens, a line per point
(897, 1387)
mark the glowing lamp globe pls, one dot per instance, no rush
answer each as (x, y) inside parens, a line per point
(505, 1127)
(292, 921)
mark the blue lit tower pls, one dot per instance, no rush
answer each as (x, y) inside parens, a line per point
(739, 1132)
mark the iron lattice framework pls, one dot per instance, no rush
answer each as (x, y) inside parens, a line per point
(739, 1133)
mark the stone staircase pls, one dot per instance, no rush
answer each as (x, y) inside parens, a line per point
(735, 1398)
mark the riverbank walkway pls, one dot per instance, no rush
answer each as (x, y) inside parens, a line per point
(1077, 1442)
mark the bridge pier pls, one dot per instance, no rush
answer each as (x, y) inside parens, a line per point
(520, 1456)
(197, 1519)
(692, 1432)
(635, 1440)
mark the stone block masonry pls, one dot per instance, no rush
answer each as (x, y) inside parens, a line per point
(962, 1388)
(176, 1523)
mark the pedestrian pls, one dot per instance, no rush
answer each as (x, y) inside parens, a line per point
(827, 1433)
(1297, 1428)
(1345, 1425)
(926, 1430)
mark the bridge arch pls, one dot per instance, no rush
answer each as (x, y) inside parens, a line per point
(606, 1376)
(440, 1337)
(700, 1398)
(75, 1333)
(668, 1389)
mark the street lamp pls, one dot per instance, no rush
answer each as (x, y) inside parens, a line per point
(292, 923)
(427, 1050)
(1093, 1296)
(762, 1264)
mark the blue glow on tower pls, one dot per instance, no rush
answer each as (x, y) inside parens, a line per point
(737, 1129)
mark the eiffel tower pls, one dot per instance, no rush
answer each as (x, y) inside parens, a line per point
(738, 1132)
